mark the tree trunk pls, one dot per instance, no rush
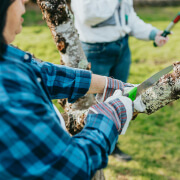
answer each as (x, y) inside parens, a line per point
(59, 20)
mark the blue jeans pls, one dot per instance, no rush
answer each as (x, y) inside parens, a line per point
(109, 59)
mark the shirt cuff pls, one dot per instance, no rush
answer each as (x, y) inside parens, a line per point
(82, 84)
(106, 127)
(153, 34)
(101, 96)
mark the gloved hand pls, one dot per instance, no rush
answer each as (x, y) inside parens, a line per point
(139, 106)
(118, 108)
(111, 86)
(160, 40)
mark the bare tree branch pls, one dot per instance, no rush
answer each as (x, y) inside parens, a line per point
(166, 90)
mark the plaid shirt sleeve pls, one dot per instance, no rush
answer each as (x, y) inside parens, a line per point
(33, 144)
(64, 82)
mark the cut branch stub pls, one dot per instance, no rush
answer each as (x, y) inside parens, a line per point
(166, 90)
(54, 11)
(61, 43)
(75, 121)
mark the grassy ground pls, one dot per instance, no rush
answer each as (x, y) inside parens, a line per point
(153, 141)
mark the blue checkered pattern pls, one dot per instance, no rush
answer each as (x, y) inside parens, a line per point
(33, 144)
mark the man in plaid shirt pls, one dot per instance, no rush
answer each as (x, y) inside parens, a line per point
(33, 144)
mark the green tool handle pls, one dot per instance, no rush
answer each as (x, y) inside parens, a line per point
(164, 34)
(132, 94)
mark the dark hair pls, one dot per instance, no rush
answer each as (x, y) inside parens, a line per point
(3, 12)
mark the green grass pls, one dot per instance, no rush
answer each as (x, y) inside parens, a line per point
(153, 141)
(157, 13)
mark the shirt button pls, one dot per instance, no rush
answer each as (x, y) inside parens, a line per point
(39, 79)
(26, 57)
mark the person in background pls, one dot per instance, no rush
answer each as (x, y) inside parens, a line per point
(104, 27)
(33, 143)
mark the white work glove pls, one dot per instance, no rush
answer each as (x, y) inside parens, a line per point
(117, 108)
(160, 40)
(139, 106)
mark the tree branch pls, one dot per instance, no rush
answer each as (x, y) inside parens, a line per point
(166, 90)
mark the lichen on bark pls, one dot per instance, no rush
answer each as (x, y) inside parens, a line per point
(166, 90)
(59, 20)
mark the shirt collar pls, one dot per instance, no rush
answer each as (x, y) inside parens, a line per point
(13, 53)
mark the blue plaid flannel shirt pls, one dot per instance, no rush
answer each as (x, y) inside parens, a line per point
(33, 144)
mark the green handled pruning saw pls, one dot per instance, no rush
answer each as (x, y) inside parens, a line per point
(136, 91)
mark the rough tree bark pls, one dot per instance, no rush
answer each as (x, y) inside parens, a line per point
(166, 90)
(59, 20)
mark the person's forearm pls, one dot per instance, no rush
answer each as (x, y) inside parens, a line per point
(97, 84)
(140, 29)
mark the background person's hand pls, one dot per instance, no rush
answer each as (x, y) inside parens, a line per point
(160, 40)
